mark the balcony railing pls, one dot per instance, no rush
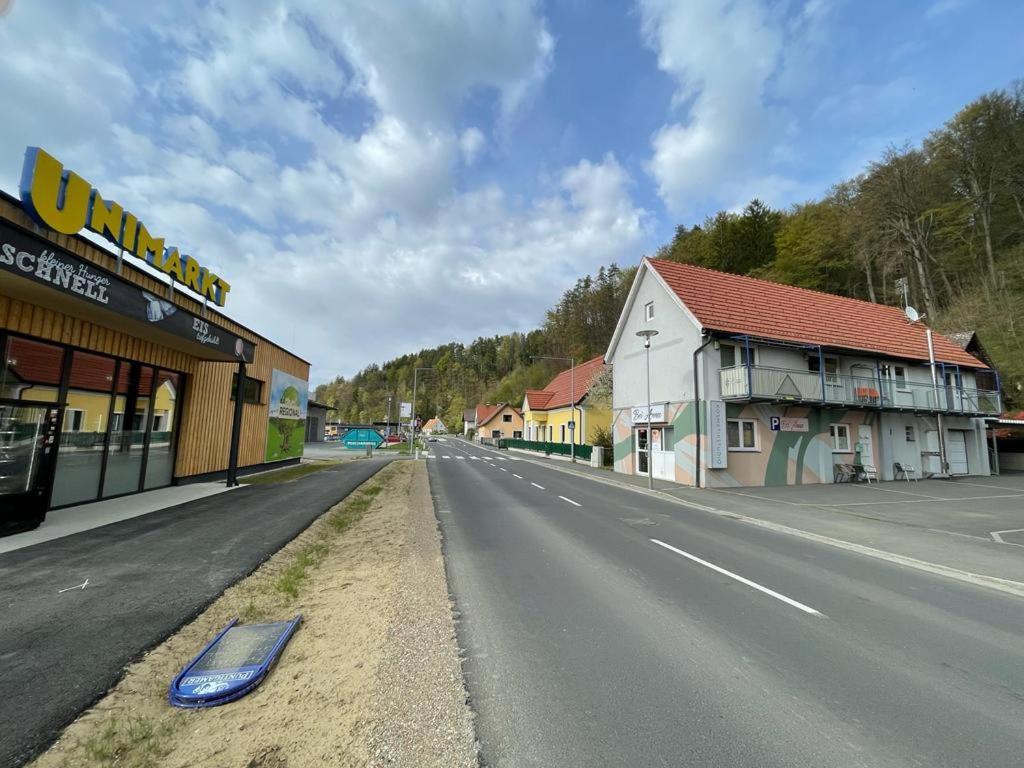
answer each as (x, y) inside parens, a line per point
(760, 382)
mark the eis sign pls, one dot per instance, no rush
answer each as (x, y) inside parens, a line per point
(65, 202)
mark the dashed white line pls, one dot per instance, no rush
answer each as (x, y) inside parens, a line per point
(574, 503)
(503, 469)
(740, 579)
(446, 457)
(515, 475)
(463, 458)
(537, 486)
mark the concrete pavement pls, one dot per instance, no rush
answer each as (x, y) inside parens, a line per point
(607, 627)
(62, 647)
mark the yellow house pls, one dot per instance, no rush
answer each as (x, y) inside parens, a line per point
(548, 412)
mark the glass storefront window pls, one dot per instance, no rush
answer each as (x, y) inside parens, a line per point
(160, 462)
(31, 370)
(128, 429)
(83, 429)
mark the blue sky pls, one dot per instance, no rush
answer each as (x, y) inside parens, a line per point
(373, 178)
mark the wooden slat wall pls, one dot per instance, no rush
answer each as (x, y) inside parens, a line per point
(205, 435)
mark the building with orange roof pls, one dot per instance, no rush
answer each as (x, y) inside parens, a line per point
(563, 411)
(497, 421)
(757, 383)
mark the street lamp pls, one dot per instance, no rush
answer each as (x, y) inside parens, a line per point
(572, 399)
(412, 430)
(646, 336)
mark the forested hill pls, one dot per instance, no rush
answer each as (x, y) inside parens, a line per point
(947, 215)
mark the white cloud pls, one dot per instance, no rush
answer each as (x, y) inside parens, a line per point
(471, 142)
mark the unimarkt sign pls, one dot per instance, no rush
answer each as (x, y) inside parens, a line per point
(65, 202)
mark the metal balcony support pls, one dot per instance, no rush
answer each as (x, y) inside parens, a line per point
(750, 368)
(821, 373)
(881, 390)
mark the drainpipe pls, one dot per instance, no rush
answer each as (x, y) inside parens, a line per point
(696, 403)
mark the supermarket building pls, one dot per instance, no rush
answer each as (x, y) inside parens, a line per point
(116, 378)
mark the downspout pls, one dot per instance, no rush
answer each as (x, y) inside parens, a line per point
(696, 403)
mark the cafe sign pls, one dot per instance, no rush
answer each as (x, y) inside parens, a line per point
(639, 414)
(65, 202)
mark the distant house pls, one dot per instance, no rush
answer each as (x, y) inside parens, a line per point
(468, 420)
(757, 383)
(434, 426)
(498, 421)
(548, 412)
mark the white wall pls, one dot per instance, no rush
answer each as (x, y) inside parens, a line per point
(671, 350)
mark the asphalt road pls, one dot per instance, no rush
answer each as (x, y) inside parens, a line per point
(60, 651)
(590, 644)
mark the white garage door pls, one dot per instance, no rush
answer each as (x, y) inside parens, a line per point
(956, 452)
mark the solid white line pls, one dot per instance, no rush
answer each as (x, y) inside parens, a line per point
(574, 503)
(537, 486)
(515, 475)
(740, 579)
(81, 586)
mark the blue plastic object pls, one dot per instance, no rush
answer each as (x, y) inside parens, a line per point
(234, 663)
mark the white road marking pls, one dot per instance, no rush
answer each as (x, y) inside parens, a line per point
(81, 586)
(537, 486)
(446, 457)
(503, 469)
(475, 458)
(998, 535)
(463, 458)
(515, 475)
(574, 503)
(740, 579)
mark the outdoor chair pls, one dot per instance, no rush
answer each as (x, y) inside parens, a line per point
(869, 472)
(906, 470)
(843, 473)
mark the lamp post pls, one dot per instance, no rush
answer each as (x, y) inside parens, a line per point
(412, 429)
(646, 336)
(572, 399)
(388, 430)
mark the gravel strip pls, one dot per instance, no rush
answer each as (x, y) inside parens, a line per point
(423, 718)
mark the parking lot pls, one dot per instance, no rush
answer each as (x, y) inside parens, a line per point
(990, 508)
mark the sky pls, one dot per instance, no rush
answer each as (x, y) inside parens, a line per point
(374, 177)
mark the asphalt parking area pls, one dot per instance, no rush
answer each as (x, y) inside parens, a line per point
(77, 609)
(990, 508)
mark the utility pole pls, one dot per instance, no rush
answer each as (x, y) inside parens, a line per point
(412, 424)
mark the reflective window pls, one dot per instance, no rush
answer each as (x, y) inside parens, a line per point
(31, 370)
(84, 429)
(128, 429)
(160, 462)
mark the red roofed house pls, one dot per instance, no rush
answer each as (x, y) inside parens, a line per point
(792, 383)
(548, 412)
(498, 421)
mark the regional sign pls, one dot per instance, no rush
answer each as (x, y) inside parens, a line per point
(286, 427)
(65, 202)
(43, 263)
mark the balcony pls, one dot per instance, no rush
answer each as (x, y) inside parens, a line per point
(789, 385)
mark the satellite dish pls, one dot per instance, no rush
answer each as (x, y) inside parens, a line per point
(912, 314)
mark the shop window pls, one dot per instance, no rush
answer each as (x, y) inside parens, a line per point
(253, 391)
(910, 434)
(649, 311)
(31, 370)
(840, 434)
(741, 434)
(731, 353)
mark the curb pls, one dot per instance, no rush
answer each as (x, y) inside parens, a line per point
(1007, 586)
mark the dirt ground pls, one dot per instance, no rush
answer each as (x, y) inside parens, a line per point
(372, 676)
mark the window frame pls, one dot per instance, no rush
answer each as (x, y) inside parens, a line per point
(909, 433)
(649, 311)
(903, 386)
(506, 418)
(79, 412)
(833, 434)
(739, 351)
(246, 397)
(756, 447)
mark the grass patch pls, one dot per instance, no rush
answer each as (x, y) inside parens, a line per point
(288, 473)
(134, 741)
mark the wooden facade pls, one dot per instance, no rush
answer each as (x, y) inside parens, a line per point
(207, 411)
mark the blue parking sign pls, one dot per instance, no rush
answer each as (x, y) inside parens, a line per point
(776, 423)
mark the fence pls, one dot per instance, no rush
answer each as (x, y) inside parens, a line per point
(559, 449)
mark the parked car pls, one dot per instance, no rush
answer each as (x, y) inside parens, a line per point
(394, 439)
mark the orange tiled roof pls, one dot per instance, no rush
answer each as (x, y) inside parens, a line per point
(747, 306)
(485, 412)
(558, 393)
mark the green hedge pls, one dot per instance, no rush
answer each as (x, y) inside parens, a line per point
(559, 449)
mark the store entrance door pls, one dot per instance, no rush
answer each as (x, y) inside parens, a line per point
(27, 452)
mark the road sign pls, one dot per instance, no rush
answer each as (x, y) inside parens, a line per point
(572, 425)
(776, 423)
(406, 410)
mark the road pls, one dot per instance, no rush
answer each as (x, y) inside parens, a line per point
(61, 647)
(603, 627)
